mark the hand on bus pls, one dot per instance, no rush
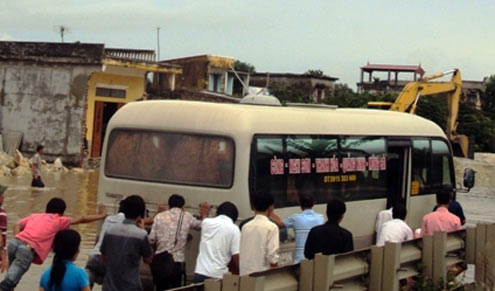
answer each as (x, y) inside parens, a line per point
(102, 209)
(204, 209)
(161, 207)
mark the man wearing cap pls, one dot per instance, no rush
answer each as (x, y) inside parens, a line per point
(3, 229)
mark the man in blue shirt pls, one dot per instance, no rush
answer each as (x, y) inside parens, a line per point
(302, 223)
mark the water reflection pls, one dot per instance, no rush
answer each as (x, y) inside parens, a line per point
(78, 189)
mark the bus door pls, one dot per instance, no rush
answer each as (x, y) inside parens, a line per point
(398, 169)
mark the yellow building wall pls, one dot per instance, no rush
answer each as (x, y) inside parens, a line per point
(135, 90)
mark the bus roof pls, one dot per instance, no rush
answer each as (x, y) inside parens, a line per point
(227, 119)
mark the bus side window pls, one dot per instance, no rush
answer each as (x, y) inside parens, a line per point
(441, 168)
(421, 164)
(432, 165)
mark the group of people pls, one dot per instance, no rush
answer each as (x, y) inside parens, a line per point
(224, 247)
(447, 216)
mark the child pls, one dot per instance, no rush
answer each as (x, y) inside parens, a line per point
(34, 237)
(63, 275)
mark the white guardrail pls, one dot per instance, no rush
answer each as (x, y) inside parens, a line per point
(377, 268)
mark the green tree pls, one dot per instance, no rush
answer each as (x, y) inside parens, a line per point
(297, 93)
(478, 126)
(315, 73)
(489, 95)
(244, 67)
(433, 108)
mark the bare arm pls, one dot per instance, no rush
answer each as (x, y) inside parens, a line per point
(275, 218)
(42, 289)
(18, 227)
(235, 264)
(150, 220)
(86, 288)
(33, 168)
(148, 260)
(102, 213)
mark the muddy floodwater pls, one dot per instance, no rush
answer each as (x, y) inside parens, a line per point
(79, 189)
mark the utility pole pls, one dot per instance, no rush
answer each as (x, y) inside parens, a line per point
(158, 42)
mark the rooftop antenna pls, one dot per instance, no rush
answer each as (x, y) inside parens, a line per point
(62, 30)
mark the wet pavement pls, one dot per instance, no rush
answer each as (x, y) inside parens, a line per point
(79, 190)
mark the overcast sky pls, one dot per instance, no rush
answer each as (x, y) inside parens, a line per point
(277, 36)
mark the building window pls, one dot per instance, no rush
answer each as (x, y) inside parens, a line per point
(110, 92)
(215, 83)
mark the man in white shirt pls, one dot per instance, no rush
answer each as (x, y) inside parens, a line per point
(395, 230)
(259, 238)
(220, 240)
(382, 217)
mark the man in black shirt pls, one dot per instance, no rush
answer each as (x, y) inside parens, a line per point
(329, 238)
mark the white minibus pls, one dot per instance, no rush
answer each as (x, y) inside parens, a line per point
(227, 152)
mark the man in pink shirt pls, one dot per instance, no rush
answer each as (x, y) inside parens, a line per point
(34, 237)
(441, 219)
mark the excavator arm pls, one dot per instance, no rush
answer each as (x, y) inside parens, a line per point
(409, 96)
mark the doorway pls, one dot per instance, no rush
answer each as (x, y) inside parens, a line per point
(103, 112)
(397, 172)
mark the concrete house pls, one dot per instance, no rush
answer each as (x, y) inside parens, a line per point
(62, 95)
(212, 76)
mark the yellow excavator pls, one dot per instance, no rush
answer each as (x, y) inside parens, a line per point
(409, 96)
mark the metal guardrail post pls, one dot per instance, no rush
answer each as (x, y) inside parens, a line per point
(248, 283)
(306, 275)
(439, 253)
(213, 285)
(428, 256)
(391, 264)
(230, 282)
(479, 270)
(323, 272)
(470, 245)
(376, 266)
(490, 257)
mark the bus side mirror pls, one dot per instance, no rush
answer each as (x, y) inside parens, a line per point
(469, 178)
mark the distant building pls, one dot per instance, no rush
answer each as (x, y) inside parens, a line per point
(211, 76)
(471, 90)
(62, 95)
(391, 82)
(317, 87)
(122, 79)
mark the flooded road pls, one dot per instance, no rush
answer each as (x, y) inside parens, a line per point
(79, 190)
